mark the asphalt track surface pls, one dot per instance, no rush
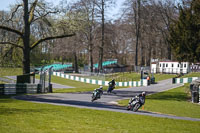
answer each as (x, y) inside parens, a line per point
(107, 101)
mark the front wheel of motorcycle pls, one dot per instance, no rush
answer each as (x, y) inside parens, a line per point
(128, 107)
(93, 98)
(136, 107)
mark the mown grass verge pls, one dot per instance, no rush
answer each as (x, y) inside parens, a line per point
(159, 77)
(128, 76)
(10, 71)
(18, 116)
(79, 86)
(175, 102)
(83, 87)
(136, 76)
(192, 74)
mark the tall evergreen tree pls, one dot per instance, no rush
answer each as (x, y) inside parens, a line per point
(185, 33)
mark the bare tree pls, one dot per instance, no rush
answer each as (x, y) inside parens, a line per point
(102, 4)
(30, 15)
(88, 9)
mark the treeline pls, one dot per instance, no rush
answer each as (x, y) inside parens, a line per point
(142, 32)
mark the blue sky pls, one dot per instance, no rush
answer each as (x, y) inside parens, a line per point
(4, 5)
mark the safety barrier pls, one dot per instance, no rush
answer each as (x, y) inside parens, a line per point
(101, 82)
(11, 89)
(184, 80)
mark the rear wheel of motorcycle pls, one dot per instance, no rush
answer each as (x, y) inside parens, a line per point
(93, 99)
(136, 107)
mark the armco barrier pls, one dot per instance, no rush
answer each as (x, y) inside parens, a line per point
(184, 80)
(101, 82)
(10, 89)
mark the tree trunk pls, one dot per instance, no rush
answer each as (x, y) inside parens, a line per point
(102, 43)
(75, 63)
(169, 53)
(142, 55)
(91, 51)
(26, 40)
(137, 22)
(149, 55)
(90, 58)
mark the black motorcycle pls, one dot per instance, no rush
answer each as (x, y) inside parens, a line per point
(110, 87)
(134, 104)
(97, 93)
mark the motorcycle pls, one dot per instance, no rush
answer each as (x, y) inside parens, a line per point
(97, 93)
(134, 104)
(110, 88)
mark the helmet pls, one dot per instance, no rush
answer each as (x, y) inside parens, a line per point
(101, 87)
(143, 93)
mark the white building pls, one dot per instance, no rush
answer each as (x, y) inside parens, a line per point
(170, 67)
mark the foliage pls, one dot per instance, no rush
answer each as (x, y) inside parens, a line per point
(35, 16)
(173, 102)
(185, 33)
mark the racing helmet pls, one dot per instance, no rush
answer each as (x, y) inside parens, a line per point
(144, 93)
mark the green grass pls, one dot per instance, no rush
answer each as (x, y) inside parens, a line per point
(136, 76)
(10, 71)
(83, 87)
(192, 74)
(122, 77)
(79, 86)
(159, 77)
(174, 102)
(26, 117)
(1, 82)
(129, 76)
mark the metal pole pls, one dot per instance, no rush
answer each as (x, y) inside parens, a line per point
(44, 81)
(50, 71)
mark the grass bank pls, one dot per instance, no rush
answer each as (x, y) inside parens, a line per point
(192, 74)
(174, 102)
(127, 76)
(79, 86)
(10, 71)
(26, 117)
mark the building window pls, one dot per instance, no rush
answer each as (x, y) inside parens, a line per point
(185, 65)
(160, 65)
(163, 64)
(172, 65)
(166, 65)
(178, 65)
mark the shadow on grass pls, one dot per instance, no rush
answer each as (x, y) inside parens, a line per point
(175, 96)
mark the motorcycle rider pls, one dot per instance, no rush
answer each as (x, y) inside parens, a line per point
(141, 98)
(111, 85)
(100, 90)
